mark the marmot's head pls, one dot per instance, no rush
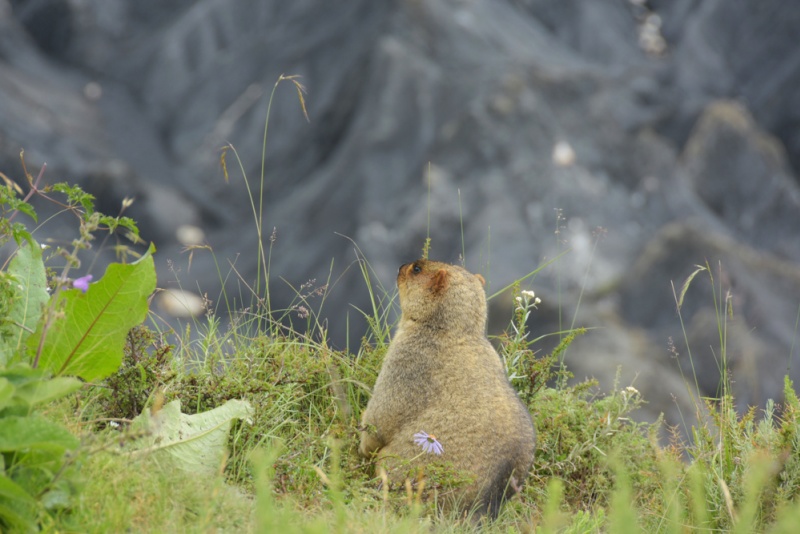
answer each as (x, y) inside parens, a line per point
(442, 296)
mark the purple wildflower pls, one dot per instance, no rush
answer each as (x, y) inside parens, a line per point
(82, 283)
(428, 442)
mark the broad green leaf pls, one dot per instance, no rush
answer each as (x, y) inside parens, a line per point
(34, 393)
(17, 506)
(195, 443)
(30, 296)
(28, 387)
(6, 392)
(11, 490)
(22, 373)
(17, 522)
(58, 496)
(20, 433)
(87, 336)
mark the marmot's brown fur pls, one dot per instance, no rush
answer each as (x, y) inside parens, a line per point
(442, 376)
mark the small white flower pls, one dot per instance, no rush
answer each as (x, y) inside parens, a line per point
(529, 294)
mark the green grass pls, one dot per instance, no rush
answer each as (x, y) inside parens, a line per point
(295, 469)
(120, 494)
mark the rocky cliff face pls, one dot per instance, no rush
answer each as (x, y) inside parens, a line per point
(525, 124)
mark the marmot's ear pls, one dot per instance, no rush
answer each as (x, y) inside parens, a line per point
(481, 278)
(439, 281)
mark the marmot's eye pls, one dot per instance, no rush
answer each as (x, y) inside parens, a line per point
(416, 269)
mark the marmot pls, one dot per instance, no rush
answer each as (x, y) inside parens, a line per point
(441, 376)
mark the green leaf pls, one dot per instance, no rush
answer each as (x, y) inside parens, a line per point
(87, 336)
(76, 195)
(29, 297)
(11, 490)
(195, 443)
(59, 496)
(20, 205)
(16, 521)
(34, 393)
(6, 392)
(20, 433)
(22, 388)
(22, 373)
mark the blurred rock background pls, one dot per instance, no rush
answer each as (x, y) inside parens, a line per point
(645, 137)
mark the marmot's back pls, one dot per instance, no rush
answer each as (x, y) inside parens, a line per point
(441, 376)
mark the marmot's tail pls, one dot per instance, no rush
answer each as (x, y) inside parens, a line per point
(497, 490)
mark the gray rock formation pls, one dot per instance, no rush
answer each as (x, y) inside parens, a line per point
(521, 125)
